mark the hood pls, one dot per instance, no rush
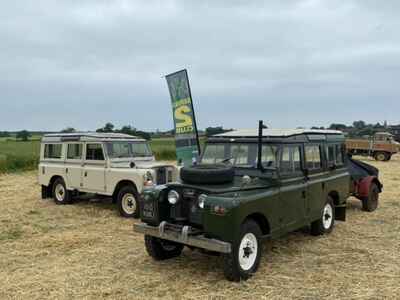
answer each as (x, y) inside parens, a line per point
(140, 163)
(152, 164)
(234, 186)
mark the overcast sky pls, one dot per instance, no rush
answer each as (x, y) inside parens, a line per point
(291, 63)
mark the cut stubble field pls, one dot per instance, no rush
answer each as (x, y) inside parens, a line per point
(85, 250)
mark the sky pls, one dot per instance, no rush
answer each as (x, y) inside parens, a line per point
(81, 64)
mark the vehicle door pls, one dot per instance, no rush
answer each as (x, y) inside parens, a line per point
(293, 187)
(316, 177)
(73, 165)
(93, 177)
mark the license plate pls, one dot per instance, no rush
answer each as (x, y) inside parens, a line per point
(148, 210)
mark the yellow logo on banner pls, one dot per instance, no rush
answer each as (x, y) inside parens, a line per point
(183, 119)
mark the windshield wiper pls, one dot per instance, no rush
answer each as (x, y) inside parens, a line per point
(227, 159)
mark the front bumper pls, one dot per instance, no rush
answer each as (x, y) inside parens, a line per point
(184, 237)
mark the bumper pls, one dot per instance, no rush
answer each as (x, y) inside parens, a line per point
(183, 237)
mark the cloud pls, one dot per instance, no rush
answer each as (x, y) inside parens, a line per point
(296, 63)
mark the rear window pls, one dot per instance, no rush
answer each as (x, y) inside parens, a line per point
(52, 151)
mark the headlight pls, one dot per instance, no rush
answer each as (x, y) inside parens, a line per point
(202, 198)
(173, 197)
(148, 176)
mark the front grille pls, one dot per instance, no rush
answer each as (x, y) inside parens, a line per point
(187, 209)
(161, 176)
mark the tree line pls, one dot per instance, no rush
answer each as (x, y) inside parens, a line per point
(356, 129)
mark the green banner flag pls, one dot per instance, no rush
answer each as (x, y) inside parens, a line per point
(186, 135)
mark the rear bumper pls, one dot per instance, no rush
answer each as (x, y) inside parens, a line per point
(162, 231)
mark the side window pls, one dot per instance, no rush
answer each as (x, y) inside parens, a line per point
(52, 151)
(74, 151)
(94, 152)
(296, 159)
(330, 155)
(313, 157)
(339, 155)
(290, 159)
(269, 156)
(285, 165)
(334, 155)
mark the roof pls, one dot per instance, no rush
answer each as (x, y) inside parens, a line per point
(276, 132)
(89, 136)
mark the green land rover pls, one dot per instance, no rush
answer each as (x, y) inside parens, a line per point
(248, 187)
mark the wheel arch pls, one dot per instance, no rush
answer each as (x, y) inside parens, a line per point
(120, 185)
(335, 197)
(261, 220)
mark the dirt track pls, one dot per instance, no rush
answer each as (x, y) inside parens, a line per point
(86, 250)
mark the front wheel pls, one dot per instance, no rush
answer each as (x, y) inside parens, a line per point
(128, 202)
(160, 249)
(370, 203)
(244, 259)
(327, 220)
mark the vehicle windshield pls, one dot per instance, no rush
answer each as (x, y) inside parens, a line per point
(125, 149)
(242, 155)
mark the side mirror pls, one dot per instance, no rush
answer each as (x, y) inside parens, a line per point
(306, 173)
(332, 167)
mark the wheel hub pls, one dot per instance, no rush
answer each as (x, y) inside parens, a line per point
(327, 216)
(248, 251)
(129, 203)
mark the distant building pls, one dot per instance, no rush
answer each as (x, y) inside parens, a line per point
(395, 130)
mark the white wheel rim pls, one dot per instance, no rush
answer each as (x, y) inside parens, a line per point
(60, 192)
(129, 203)
(327, 216)
(248, 251)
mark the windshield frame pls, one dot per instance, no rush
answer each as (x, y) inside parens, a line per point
(130, 154)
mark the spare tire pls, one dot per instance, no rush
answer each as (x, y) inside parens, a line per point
(207, 174)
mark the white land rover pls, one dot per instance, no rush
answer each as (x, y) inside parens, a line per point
(110, 164)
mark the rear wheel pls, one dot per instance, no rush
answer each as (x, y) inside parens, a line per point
(60, 193)
(327, 220)
(245, 257)
(128, 202)
(370, 203)
(381, 156)
(160, 249)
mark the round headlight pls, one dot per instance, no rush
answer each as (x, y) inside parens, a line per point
(173, 197)
(202, 198)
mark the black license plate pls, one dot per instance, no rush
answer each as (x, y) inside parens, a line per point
(148, 210)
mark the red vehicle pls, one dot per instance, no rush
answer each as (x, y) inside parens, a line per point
(365, 184)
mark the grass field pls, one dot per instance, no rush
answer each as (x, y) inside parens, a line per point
(18, 155)
(86, 250)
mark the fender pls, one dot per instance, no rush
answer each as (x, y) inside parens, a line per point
(362, 186)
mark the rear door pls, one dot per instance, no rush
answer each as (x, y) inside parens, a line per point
(74, 164)
(93, 177)
(293, 187)
(315, 180)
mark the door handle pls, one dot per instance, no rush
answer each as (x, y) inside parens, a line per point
(323, 185)
(303, 194)
(85, 173)
(66, 171)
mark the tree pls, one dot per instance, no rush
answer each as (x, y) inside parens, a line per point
(216, 130)
(23, 135)
(68, 130)
(109, 127)
(337, 126)
(4, 134)
(359, 124)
